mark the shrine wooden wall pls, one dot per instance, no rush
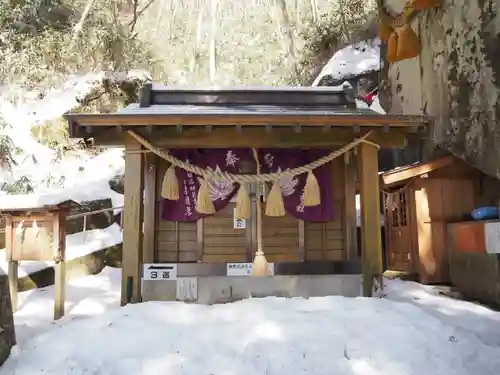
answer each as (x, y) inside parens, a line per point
(213, 239)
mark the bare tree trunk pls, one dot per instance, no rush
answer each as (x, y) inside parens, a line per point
(173, 13)
(297, 13)
(212, 52)
(274, 17)
(159, 16)
(344, 22)
(195, 62)
(287, 30)
(314, 11)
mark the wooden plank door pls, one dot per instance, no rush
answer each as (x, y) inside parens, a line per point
(399, 244)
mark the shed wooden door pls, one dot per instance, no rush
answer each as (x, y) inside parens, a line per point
(399, 244)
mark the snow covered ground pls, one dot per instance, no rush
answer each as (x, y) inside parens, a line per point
(411, 331)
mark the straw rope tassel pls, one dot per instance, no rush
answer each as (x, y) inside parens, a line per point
(243, 208)
(275, 207)
(204, 204)
(170, 185)
(312, 194)
(260, 266)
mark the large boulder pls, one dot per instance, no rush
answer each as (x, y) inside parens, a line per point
(97, 221)
(456, 79)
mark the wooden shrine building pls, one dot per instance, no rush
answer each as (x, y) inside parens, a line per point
(232, 174)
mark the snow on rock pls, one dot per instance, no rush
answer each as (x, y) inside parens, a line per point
(80, 175)
(412, 331)
(77, 245)
(353, 60)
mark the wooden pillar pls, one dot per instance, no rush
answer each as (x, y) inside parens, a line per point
(149, 240)
(350, 228)
(132, 222)
(59, 251)
(13, 265)
(370, 216)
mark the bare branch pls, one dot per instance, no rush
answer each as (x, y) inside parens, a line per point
(77, 30)
(137, 13)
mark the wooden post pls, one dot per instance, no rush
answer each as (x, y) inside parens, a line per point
(350, 228)
(302, 240)
(149, 208)
(59, 251)
(132, 222)
(7, 330)
(13, 265)
(370, 216)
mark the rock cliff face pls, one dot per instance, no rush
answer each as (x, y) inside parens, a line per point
(7, 335)
(456, 78)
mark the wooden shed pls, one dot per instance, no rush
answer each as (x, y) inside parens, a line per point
(420, 200)
(258, 133)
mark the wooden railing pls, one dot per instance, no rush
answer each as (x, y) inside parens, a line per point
(85, 215)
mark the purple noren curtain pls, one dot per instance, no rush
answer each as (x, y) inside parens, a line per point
(231, 160)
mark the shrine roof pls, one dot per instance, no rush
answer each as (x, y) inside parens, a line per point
(163, 106)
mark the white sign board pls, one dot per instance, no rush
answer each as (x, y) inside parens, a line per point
(244, 269)
(238, 223)
(159, 271)
(492, 237)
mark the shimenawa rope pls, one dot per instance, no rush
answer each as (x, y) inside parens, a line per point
(243, 178)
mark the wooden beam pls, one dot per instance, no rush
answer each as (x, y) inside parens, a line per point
(149, 239)
(350, 229)
(197, 137)
(132, 223)
(370, 216)
(59, 244)
(402, 174)
(248, 118)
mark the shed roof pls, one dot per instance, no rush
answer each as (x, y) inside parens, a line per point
(402, 174)
(34, 202)
(163, 106)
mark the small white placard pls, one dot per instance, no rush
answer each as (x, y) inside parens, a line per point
(492, 237)
(187, 289)
(159, 271)
(244, 269)
(238, 223)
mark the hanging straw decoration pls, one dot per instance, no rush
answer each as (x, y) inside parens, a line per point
(275, 207)
(312, 195)
(260, 266)
(204, 204)
(392, 48)
(408, 45)
(384, 31)
(243, 208)
(170, 186)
